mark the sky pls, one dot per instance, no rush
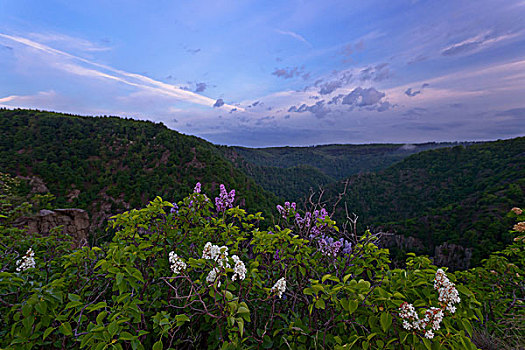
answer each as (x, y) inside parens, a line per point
(274, 73)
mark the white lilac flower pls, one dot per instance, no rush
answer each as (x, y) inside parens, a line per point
(447, 293)
(177, 264)
(27, 261)
(212, 276)
(407, 311)
(279, 287)
(214, 252)
(429, 334)
(239, 270)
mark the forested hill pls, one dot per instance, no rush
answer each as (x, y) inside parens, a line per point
(291, 172)
(108, 164)
(459, 195)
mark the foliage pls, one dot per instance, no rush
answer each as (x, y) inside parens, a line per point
(231, 284)
(458, 195)
(500, 287)
(106, 165)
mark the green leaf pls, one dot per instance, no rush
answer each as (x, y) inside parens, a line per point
(352, 306)
(126, 336)
(119, 278)
(97, 306)
(73, 297)
(467, 326)
(325, 277)
(157, 345)
(73, 304)
(386, 321)
(320, 304)
(65, 328)
(181, 319)
(240, 322)
(101, 316)
(113, 328)
(47, 332)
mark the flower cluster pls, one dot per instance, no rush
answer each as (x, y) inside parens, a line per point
(27, 261)
(220, 255)
(239, 270)
(212, 276)
(409, 315)
(174, 209)
(448, 296)
(197, 188)
(216, 253)
(279, 287)
(225, 199)
(177, 264)
(520, 226)
(517, 211)
(310, 219)
(331, 247)
(287, 209)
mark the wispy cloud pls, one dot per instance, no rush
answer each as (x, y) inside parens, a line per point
(68, 41)
(476, 43)
(294, 35)
(132, 79)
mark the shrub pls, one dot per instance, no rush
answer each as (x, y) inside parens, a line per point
(204, 274)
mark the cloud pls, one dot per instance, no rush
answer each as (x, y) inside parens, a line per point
(415, 113)
(417, 59)
(294, 35)
(318, 109)
(113, 74)
(476, 43)
(287, 73)
(68, 41)
(363, 97)
(218, 103)
(193, 51)
(515, 113)
(379, 72)
(336, 99)
(200, 87)
(329, 87)
(412, 92)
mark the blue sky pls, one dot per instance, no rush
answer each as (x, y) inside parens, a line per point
(269, 73)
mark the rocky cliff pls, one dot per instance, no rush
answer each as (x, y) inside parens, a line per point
(74, 222)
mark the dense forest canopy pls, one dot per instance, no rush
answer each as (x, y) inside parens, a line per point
(109, 164)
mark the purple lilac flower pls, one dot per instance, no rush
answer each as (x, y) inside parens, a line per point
(225, 199)
(287, 209)
(197, 188)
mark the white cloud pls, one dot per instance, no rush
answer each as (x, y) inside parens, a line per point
(68, 41)
(132, 79)
(294, 35)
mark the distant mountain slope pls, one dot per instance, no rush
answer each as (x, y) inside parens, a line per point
(457, 195)
(291, 172)
(108, 164)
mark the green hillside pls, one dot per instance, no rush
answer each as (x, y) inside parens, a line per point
(291, 172)
(458, 195)
(108, 164)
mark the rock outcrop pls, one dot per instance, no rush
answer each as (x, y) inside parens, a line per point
(452, 255)
(74, 222)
